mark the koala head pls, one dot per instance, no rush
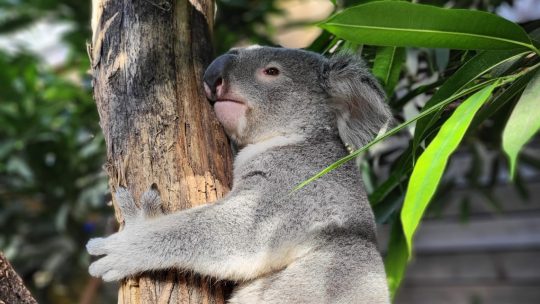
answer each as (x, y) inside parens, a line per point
(262, 92)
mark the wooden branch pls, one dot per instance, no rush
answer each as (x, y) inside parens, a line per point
(147, 59)
(12, 289)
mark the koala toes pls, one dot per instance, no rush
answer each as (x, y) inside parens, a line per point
(97, 246)
(126, 203)
(151, 203)
(112, 268)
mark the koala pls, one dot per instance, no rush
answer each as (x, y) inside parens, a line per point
(291, 113)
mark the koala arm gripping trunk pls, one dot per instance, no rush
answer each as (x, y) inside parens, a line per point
(211, 240)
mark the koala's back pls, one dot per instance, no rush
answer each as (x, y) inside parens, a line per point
(330, 216)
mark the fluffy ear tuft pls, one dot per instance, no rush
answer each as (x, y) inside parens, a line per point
(357, 99)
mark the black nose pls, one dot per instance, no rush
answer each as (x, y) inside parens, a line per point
(213, 76)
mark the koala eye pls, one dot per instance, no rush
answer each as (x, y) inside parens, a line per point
(271, 71)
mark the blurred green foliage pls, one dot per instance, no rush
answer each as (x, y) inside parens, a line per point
(52, 188)
(243, 21)
(51, 152)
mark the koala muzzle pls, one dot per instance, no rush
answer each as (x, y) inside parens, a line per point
(213, 76)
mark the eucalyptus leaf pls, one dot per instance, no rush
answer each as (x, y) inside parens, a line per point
(397, 23)
(396, 258)
(467, 74)
(321, 42)
(401, 169)
(442, 57)
(523, 123)
(509, 94)
(378, 195)
(399, 103)
(429, 169)
(389, 207)
(387, 66)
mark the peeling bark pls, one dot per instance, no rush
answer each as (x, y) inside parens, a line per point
(12, 289)
(147, 61)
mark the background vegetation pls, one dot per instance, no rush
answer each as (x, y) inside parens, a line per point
(53, 193)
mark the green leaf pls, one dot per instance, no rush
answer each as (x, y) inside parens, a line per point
(400, 170)
(398, 104)
(377, 196)
(387, 67)
(471, 70)
(390, 206)
(464, 210)
(430, 166)
(321, 42)
(509, 94)
(523, 123)
(396, 258)
(442, 58)
(396, 23)
(535, 37)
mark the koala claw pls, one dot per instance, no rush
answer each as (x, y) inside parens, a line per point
(126, 203)
(151, 203)
(98, 268)
(110, 269)
(119, 258)
(112, 276)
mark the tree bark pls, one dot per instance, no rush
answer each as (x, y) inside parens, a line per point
(12, 289)
(147, 61)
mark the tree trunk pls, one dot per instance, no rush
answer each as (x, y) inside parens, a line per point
(147, 59)
(12, 289)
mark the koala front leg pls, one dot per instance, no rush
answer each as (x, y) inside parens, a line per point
(225, 240)
(124, 252)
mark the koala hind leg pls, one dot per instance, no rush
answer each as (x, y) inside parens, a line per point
(343, 272)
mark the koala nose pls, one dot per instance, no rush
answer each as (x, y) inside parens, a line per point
(213, 76)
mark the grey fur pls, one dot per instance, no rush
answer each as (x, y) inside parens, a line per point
(315, 245)
(151, 203)
(358, 100)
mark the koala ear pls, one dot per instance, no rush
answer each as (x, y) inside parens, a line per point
(357, 99)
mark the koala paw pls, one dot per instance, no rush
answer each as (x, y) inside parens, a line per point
(124, 251)
(150, 205)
